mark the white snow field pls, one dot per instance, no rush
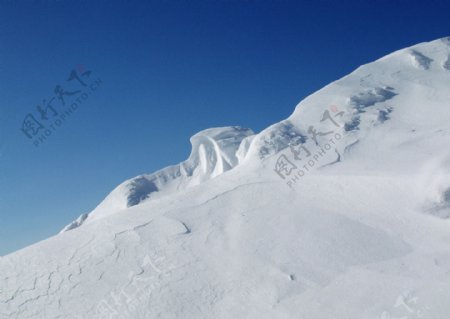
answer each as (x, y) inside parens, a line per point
(341, 211)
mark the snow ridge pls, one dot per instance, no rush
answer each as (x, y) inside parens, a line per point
(214, 151)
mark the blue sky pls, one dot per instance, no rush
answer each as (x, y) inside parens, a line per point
(168, 70)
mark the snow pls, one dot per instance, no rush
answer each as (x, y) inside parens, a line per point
(357, 229)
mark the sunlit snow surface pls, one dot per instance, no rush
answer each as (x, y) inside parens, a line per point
(362, 231)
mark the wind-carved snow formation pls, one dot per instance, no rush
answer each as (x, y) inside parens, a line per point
(359, 230)
(214, 151)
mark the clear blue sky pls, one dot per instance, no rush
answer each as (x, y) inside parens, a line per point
(169, 69)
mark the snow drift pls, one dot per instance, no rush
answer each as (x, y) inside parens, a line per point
(214, 151)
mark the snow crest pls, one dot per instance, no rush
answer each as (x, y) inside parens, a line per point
(214, 151)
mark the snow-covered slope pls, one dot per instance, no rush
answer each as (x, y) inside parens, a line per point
(340, 211)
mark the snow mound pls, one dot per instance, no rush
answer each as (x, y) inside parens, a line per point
(214, 151)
